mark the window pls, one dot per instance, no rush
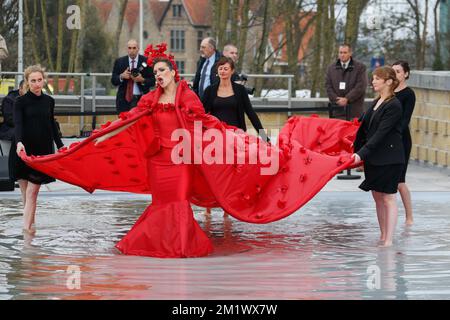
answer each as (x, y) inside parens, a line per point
(177, 40)
(177, 10)
(199, 38)
(180, 66)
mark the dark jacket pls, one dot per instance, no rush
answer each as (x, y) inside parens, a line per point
(355, 78)
(379, 138)
(7, 109)
(120, 65)
(213, 76)
(243, 105)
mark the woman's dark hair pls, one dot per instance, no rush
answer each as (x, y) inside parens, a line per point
(405, 66)
(225, 60)
(165, 60)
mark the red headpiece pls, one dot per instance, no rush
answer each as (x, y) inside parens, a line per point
(160, 52)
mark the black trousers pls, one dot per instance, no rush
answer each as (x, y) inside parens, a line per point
(127, 106)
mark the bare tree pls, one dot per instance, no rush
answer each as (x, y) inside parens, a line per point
(260, 58)
(297, 22)
(244, 23)
(420, 29)
(323, 45)
(60, 40)
(355, 9)
(437, 64)
(122, 9)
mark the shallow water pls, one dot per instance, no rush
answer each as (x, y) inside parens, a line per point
(327, 250)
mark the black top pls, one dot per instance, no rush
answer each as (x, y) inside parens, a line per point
(34, 123)
(7, 126)
(379, 138)
(407, 98)
(35, 127)
(225, 109)
(243, 105)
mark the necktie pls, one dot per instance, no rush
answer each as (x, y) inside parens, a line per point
(130, 85)
(202, 79)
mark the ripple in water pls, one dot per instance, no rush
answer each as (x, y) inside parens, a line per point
(325, 251)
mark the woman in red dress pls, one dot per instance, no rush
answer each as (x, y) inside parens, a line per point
(262, 183)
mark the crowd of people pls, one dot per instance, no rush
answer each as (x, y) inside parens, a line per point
(151, 95)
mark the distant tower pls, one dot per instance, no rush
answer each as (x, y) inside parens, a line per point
(444, 27)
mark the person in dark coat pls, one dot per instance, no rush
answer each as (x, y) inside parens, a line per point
(206, 74)
(407, 98)
(7, 108)
(379, 144)
(133, 77)
(229, 101)
(346, 83)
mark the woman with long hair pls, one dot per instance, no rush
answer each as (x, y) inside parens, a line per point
(379, 144)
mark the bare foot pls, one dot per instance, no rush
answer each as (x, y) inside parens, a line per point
(29, 231)
(409, 222)
(386, 244)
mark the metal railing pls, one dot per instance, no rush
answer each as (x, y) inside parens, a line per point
(83, 93)
(94, 76)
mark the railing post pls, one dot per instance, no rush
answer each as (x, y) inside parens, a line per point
(82, 103)
(289, 96)
(94, 107)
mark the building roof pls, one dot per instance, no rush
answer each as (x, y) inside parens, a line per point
(158, 9)
(198, 17)
(155, 7)
(104, 8)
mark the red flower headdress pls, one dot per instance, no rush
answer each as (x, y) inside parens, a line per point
(160, 52)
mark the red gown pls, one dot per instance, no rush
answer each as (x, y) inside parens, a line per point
(310, 151)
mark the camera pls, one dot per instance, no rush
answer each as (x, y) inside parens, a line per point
(136, 71)
(243, 78)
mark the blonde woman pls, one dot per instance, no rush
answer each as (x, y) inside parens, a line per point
(35, 132)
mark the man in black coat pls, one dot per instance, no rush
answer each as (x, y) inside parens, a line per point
(7, 109)
(206, 74)
(133, 77)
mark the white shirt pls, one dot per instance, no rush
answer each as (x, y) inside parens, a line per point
(136, 90)
(211, 60)
(345, 64)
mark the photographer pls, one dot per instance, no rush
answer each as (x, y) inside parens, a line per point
(228, 101)
(133, 77)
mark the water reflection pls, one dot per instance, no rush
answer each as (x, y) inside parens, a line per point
(326, 251)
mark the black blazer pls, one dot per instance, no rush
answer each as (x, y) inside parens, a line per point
(243, 105)
(120, 65)
(213, 76)
(379, 138)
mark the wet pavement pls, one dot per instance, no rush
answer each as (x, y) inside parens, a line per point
(326, 250)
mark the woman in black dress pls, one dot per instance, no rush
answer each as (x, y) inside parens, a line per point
(35, 132)
(379, 144)
(407, 98)
(228, 101)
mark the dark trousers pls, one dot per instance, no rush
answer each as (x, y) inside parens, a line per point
(127, 106)
(338, 112)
